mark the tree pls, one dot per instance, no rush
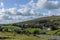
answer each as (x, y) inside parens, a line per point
(44, 21)
(0, 28)
(6, 29)
(17, 31)
(26, 32)
(54, 27)
(36, 32)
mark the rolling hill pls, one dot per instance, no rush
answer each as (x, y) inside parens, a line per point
(49, 18)
(21, 29)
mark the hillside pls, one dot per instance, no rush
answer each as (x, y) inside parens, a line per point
(50, 18)
(32, 28)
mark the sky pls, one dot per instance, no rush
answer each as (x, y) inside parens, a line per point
(12, 11)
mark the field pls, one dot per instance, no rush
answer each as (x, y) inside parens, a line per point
(14, 36)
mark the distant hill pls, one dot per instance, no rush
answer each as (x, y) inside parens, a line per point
(31, 22)
(50, 18)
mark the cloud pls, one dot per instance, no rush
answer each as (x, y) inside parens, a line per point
(31, 7)
(29, 11)
(52, 5)
(40, 3)
(26, 12)
(1, 4)
(10, 16)
(32, 12)
(12, 10)
(23, 10)
(58, 10)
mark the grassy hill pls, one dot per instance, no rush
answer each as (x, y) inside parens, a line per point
(51, 18)
(20, 31)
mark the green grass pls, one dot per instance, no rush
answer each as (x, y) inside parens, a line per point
(51, 32)
(31, 30)
(14, 36)
(58, 33)
(10, 27)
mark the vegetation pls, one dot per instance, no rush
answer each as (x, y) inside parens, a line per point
(45, 25)
(14, 36)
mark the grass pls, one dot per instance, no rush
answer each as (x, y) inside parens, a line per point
(51, 32)
(58, 33)
(10, 28)
(14, 36)
(31, 30)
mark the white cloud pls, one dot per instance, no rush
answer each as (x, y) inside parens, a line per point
(40, 3)
(49, 13)
(52, 5)
(2, 4)
(58, 11)
(2, 13)
(58, 14)
(12, 10)
(44, 14)
(54, 2)
(23, 10)
(30, 9)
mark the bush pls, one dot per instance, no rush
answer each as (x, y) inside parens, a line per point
(0, 28)
(6, 29)
(36, 32)
(17, 31)
(26, 32)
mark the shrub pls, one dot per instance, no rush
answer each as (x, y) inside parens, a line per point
(17, 31)
(0, 28)
(36, 32)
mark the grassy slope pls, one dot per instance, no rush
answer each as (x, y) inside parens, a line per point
(25, 37)
(37, 20)
(14, 36)
(43, 18)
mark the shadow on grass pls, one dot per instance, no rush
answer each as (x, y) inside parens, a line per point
(5, 37)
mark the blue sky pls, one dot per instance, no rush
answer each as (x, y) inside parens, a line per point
(10, 3)
(22, 10)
